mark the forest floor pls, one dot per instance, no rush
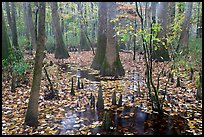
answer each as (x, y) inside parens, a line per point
(72, 115)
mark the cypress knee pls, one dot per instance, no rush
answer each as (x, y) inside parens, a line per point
(114, 98)
(106, 121)
(120, 101)
(100, 102)
(178, 82)
(72, 88)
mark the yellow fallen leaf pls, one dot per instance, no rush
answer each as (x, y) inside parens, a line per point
(192, 126)
(126, 116)
(93, 126)
(11, 127)
(53, 131)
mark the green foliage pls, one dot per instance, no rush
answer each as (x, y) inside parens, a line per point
(23, 41)
(194, 57)
(195, 51)
(16, 62)
(21, 67)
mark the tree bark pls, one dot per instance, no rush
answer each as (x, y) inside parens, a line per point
(83, 40)
(26, 22)
(6, 45)
(8, 15)
(184, 37)
(102, 38)
(199, 23)
(93, 22)
(161, 53)
(12, 22)
(36, 19)
(14, 29)
(32, 111)
(111, 65)
(60, 49)
(31, 25)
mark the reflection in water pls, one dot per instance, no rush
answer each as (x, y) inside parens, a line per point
(140, 123)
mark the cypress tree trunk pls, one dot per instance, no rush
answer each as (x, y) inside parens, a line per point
(102, 38)
(83, 40)
(111, 65)
(184, 37)
(60, 49)
(32, 111)
(161, 53)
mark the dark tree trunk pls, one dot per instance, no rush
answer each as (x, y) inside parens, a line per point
(60, 49)
(31, 118)
(14, 31)
(102, 38)
(12, 22)
(36, 19)
(134, 40)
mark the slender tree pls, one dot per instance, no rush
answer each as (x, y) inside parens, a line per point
(199, 22)
(12, 22)
(32, 110)
(92, 22)
(60, 49)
